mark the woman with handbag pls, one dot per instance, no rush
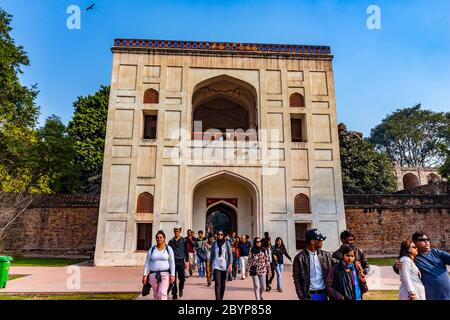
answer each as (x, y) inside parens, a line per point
(346, 280)
(159, 267)
(259, 267)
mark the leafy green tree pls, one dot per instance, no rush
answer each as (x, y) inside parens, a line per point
(444, 169)
(19, 171)
(31, 160)
(16, 101)
(55, 157)
(18, 117)
(88, 131)
(364, 170)
(412, 136)
(39, 161)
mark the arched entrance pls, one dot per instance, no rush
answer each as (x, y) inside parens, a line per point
(225, 200)
(221, 217)
(410, 181)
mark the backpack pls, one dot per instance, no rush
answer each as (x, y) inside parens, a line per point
(153, 249)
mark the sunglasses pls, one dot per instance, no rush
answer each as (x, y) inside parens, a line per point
(424, 240)
(258, 241)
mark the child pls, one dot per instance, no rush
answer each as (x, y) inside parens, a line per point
(346, 280)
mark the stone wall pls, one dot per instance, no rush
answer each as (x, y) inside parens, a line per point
(381, 223)
(55, 226)
(440, 187)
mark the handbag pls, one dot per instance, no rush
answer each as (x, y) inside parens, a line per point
(252, 271)
(169, 289)
(146, 288)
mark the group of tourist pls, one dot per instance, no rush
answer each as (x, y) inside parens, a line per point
(317, 274)
(320, 275)
(219, 258)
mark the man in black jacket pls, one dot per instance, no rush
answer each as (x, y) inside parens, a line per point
(178, 245)
(349, 238)
(311, 267)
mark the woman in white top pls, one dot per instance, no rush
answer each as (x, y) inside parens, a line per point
(221, 262)
(411, 287)
(160, 264)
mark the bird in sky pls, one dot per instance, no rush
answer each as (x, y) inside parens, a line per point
(90, 7)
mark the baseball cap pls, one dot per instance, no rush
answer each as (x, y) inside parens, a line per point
(313, 234)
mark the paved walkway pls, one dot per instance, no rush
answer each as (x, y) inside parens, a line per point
(127, 279)
(63, 280)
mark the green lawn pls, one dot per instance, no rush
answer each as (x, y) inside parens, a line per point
(381, 295)
(382, 261)
(44, 262)
(12, 277)
(87, 296)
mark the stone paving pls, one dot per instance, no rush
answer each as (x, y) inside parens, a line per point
(128, 279)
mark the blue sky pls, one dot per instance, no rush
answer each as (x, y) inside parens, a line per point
(376, 71)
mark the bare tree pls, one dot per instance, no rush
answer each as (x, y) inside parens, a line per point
(12, 207)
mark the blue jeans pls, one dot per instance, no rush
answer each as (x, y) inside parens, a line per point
(238, 264)
(235, 266)
(319, 297)
(201, 267)
(279, 271)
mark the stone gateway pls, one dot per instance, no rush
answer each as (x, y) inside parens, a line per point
(213, 135)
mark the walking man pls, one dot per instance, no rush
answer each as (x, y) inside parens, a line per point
(191, 243)
(244, 250)
(201, 254)
(178, 245)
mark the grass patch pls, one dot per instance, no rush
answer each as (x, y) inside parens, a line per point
(44, 262)
(12, 277)
(382, 261)
(72, 296)
(381, 295)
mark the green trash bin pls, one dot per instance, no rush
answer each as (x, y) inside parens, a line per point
(5, 262)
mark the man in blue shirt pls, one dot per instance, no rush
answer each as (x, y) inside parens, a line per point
(244, 248)
(432, 265)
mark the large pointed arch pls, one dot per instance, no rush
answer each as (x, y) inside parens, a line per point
(253, 215)
(224, 103)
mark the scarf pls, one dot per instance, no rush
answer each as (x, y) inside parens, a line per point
(256, 250)
(220, 243)
(358, 294)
